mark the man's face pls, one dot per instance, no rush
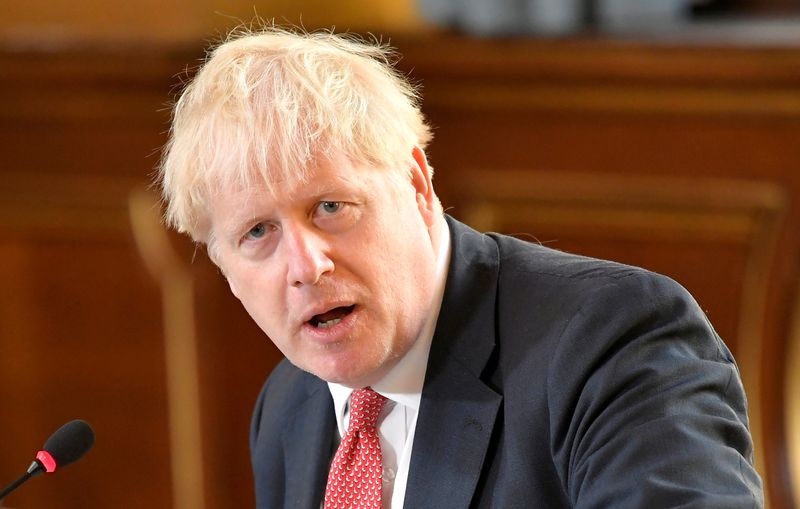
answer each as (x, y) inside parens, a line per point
(339, 271)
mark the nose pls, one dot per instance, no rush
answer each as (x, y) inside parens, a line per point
(307, 256)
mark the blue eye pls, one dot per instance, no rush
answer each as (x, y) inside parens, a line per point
(257, 231)
(331, 207)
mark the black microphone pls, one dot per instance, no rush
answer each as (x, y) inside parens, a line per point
(67, 445)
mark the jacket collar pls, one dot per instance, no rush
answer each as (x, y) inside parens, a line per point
(458, 410)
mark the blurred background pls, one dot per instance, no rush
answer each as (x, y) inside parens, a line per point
(662, 133)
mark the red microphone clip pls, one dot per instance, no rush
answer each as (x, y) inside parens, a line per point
(47, 461)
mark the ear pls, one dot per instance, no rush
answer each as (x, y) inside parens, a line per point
(423, 187)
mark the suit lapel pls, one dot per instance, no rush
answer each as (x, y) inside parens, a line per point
(308, 441)
(458, 410)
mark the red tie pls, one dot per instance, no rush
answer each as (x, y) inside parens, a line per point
(354, 481)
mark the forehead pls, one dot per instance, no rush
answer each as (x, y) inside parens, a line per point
(331, 178)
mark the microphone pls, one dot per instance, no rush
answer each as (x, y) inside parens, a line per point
(68, 444)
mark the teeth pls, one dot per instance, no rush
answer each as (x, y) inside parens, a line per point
(329, 323)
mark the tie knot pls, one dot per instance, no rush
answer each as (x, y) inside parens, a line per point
(365, 406)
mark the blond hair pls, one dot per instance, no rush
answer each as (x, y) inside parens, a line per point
(265, 106)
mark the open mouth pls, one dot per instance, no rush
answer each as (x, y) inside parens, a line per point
(330, 318)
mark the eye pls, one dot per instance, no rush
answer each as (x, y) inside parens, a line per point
(259, 241)
(336, 216)
(257, 231)
(330, 207)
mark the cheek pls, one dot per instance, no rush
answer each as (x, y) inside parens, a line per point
(405, 276)
(260, 299)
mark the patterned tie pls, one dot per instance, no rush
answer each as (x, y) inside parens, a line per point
(354, 481)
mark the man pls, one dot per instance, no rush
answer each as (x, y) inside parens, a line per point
(476, 370)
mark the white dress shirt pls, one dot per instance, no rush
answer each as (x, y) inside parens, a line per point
(402, 386)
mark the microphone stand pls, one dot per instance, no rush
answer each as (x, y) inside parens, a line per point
(34, 469)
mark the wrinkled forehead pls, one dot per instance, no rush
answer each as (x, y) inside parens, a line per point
(237, 194)
(261, 189)
(241, 187)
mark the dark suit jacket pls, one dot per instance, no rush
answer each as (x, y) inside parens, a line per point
(553, 381)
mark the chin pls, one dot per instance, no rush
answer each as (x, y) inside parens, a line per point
(348, 377)
(354, 365)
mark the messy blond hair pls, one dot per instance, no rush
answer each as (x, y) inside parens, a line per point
(267, 104)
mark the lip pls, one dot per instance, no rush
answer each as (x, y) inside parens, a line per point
(318, 309)
(334, 333)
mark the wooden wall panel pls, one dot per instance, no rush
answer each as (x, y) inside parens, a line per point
(79, 338)
(81, 130)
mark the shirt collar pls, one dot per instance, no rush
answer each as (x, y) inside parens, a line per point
(403, 383)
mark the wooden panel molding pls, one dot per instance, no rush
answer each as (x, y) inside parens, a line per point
(180, 344)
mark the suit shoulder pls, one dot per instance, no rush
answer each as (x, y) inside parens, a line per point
(559, 284)
(526, 257)
(286, 388)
